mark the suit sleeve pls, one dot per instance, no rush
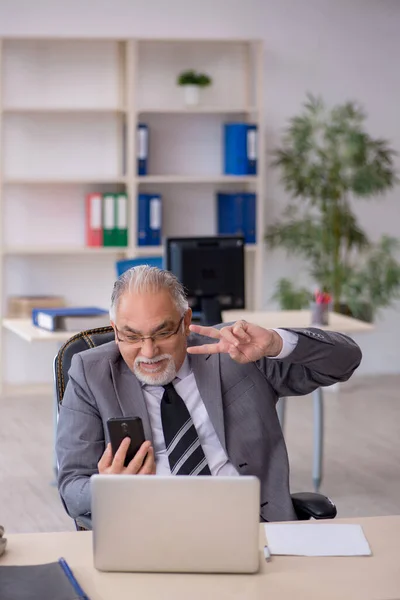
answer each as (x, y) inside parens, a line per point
(80, 442)
(319, 359)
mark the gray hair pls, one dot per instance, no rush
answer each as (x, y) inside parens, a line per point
(148, 279)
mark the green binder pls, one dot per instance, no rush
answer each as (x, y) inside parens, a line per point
(121, 219)
(109, 221)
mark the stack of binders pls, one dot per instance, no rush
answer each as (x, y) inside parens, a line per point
(236, 215)
(106, 220)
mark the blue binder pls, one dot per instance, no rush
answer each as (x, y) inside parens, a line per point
(54, 319)
(236, 215)
(249, 218)
(142, 148)
(129, 263)
(240, 149)
(230, 214)
(149, 219)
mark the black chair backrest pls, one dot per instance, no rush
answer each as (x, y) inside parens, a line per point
(79, 342)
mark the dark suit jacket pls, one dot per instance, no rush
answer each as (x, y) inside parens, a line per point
(240, 400)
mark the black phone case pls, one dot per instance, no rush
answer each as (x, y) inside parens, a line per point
(119, 428)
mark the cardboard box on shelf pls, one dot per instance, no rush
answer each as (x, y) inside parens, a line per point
(20, 307)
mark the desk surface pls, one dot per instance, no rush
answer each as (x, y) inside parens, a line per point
(301, 578)
(30, 333)
(296, 318)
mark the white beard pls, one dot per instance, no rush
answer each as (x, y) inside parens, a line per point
(163, 377)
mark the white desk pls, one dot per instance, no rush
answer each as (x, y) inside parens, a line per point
(302, 319)
(284, 578)
(24, 329)
(297, 318)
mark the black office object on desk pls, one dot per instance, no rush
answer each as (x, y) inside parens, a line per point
(212, 271)
(51, 581)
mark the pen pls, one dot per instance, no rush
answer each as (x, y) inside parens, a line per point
(70, 576)
(267, 554)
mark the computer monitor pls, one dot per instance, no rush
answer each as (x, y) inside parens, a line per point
(212, 271)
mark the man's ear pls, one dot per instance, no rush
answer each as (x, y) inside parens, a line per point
(187, 320)
(115, 333)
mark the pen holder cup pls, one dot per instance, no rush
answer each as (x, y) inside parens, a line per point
(319, 313)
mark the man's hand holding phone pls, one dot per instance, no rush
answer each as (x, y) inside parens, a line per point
(142, 463)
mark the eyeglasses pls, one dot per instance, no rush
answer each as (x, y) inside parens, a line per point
(138, 340)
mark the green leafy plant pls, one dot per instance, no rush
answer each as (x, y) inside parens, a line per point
(377, 283)
(192, 77)
(290, 297)
(327, 159)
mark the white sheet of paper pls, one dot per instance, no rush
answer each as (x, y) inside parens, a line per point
(309, 539)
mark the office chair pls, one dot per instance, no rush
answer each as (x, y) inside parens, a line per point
(307, 505)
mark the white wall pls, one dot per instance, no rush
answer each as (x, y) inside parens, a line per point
(341, 50)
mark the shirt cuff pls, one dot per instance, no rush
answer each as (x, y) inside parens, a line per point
(289, 339)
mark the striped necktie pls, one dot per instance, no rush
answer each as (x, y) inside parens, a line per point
(185, 454)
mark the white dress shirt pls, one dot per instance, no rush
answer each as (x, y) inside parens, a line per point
(185, 385)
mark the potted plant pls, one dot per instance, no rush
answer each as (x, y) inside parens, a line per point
(291, 297)
(192, 81)
(327, 160)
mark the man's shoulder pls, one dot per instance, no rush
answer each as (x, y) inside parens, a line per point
(102, 353)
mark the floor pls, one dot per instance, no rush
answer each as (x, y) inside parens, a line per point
(361, 465)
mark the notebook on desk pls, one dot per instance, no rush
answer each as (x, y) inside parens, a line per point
(176, 524)
(53, 581)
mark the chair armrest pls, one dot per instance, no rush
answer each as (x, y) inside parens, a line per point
(309, 505)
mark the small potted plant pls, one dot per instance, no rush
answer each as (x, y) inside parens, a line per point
(192, 81)
(291, 297)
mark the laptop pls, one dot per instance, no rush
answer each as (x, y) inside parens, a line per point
(175, 524)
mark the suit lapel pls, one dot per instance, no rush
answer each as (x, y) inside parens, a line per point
(130, 395)
(207, 375)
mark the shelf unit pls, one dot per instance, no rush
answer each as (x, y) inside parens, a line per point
(196, 179)
(69, 111)
(22, 110)
(66, 181)
(58, 250)
(210, 110)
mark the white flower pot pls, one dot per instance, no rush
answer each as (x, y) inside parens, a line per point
(191, 95)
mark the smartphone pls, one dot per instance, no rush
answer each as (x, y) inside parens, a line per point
(121, 427)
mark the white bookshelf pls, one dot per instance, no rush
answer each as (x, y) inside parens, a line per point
(63, 181)
(196, 179)
(147, 251)
(157, 250)
(210, 110)
(62, 250)
(60, 110)
(69, 110)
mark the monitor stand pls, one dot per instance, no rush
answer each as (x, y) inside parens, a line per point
(210, 311)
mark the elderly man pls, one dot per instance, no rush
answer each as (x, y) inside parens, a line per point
(206, 395)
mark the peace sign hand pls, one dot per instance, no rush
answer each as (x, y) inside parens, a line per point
(244, 342)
